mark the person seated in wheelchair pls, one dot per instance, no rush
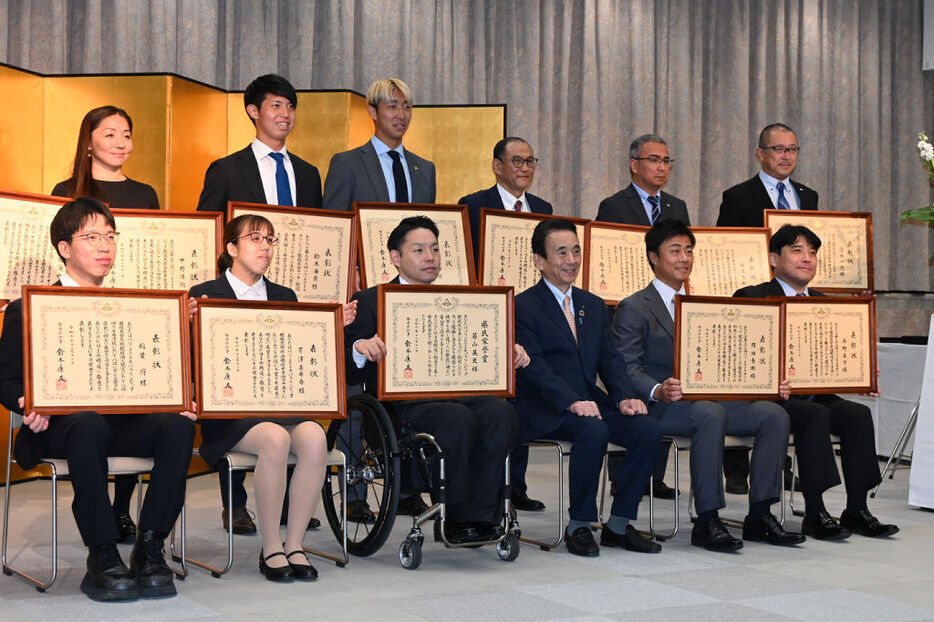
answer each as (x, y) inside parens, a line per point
(475, 433)
(83, 234)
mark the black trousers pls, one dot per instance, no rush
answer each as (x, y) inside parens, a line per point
(86, 439)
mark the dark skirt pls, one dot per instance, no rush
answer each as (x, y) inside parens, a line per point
(218, 436)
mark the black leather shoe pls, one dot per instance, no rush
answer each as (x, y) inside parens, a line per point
(280, 574)
(865, 524)
(713, 536)
(521, 501)
(490, 531)
(303, 571)
(108, 578)
(822, 526)
(413, 505)
(456, 533)
(581, 542)
(147, 565)
(126, 528)
(660, 490)
(737, 485)
(359, 512)
(242, 521)
(768, 529)
(631, 540)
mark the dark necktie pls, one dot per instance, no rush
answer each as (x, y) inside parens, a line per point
(801, 294)
(283, 191)
(782, 201)
(656, 212)
(398, 178)
(517, 207)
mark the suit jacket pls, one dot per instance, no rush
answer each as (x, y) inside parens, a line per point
(356, 175)
(562, 370)
(626, 207)
(236, 178)
(769, 288)
(220, 288)
(744, 203)
(492, 199)
(364, 326)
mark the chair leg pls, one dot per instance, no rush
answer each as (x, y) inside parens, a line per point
(10, 570)
(339, 561)
(215, 571)
(672, 445)
(547, 546)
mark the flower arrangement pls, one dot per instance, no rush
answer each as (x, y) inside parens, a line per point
(923, 214)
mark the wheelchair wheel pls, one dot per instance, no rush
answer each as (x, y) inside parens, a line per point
(508, 548)
(372, 464)
(410, 554)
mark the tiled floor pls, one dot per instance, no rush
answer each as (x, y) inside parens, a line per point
(858, 579)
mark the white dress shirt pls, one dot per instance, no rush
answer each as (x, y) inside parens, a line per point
(267, 170)
(509, 201)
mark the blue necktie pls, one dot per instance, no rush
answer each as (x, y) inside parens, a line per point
(782, 201)
(283, 191)
(656, 212)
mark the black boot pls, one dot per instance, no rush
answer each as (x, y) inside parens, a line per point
(108, 577)
(147, 563)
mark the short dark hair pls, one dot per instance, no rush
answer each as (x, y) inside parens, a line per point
(663, 230)
(789, 234)
(397, 237)
(270, 84)
(635, 147)
(74, 215)
(768, 128)
(544, 229)
(499, 149)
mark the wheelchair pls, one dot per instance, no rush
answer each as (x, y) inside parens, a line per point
(383, 456)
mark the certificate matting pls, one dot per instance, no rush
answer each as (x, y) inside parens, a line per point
(845, 258)
(255, 359)
(317, 250)
(616, 265)
(375, 221)
(506, 248)
(444, 342)
(728, 258)
(107, 350)
(161, 249)
(26, 253)
(728, 348)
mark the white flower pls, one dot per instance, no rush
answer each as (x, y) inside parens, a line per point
(926, 151)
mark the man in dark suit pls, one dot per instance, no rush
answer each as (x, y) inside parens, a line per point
(264, 172)
(642, 202)
(567, 334)
(83, 235)
(476, 433)
(793, 257)
(772, 187)
(514, 168)
(643, 331)
(381, 170)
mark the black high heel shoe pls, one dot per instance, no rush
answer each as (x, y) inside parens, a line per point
(275, 574)
(302, 572)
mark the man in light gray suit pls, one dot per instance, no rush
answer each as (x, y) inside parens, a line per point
(381, 170)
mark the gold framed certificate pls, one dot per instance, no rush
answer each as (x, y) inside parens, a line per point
(830, 344)
(728, 258)
(276, 359)
(845, 258)
(317, 250)
(728, 348)
(615, 263)
(162, 249)
(26, 254)
(375, 221)
(506, 248)
(107, 350)
(446, 341)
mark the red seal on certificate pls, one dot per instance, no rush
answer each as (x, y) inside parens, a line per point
(384, 276)
(61, 385)
(407, 373)
(228, 391)
(603, 285)
(698, 376)
(501, 282)
(791, 370)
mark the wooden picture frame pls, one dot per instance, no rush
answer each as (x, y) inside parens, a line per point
(427, 328)
(615, 265)
(728, 258)
(26, 254)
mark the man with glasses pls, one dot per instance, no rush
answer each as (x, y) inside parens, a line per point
(642, 202)
(772, 187)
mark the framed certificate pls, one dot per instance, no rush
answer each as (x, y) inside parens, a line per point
(446, 341)
(728, 348)
(506, 248)
(830, 344)
(26, 254)
(276, 359)
(317, 250)
(375, 221)
(845, 258)
(615, 263)
(728, 258)
(161, 249)
(107, 350)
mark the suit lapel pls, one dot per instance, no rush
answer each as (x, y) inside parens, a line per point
(374, 172)
(658, 309)
(635, 206)
(553, 311)
(493, 199)
(250, 172)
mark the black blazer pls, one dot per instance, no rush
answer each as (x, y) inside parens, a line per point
(744, 203)
(767, 289)
(626, 207)
(491, 199)
(220, 288)
(236, 178)
(364, 326)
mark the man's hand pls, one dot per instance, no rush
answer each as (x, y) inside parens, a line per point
(36, 423)
(668, 391)
(633, 407)
(784, 390)
(585, 408)
(373, 348)
(193, 306)
(522, 357)
(350, 312)
(190, 414)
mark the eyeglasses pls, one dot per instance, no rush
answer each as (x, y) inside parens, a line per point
(518, 162)
(95, 237)
(780, 149)
(654, 159)
(257, 238)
